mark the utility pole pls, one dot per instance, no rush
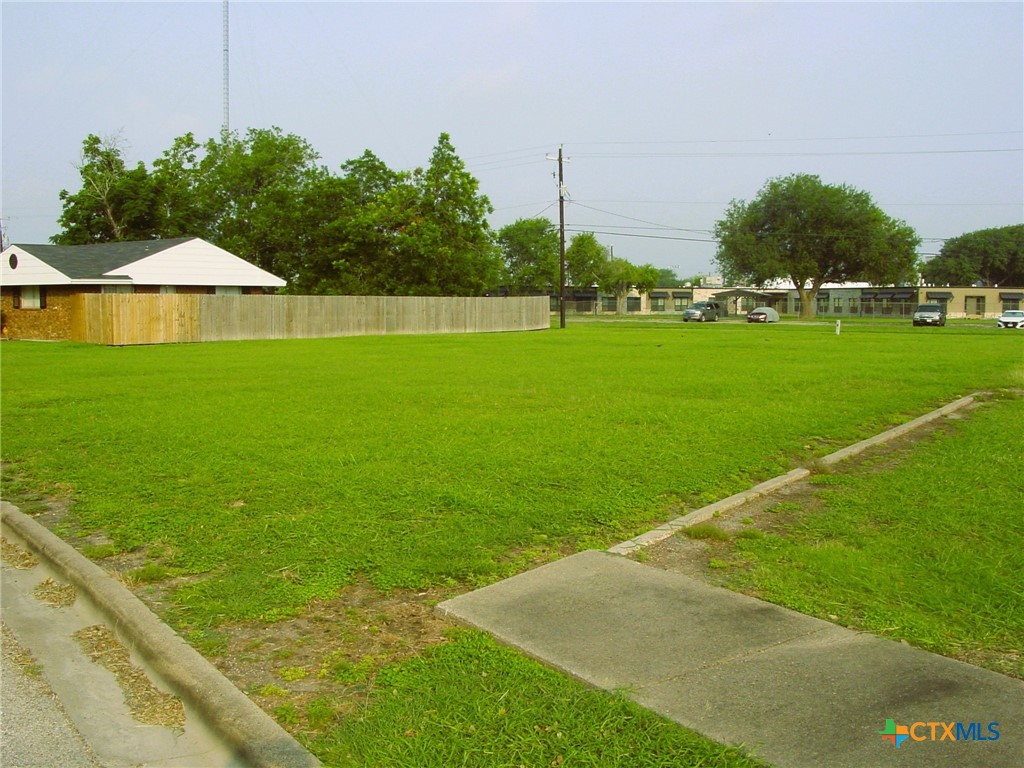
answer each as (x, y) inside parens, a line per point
(561, 241)
(561, 236)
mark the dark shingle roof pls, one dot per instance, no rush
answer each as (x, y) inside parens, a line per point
(83, 262)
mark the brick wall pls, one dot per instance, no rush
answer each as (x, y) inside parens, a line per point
(52, 323)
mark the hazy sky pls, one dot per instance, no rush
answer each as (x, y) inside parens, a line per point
(666, 110)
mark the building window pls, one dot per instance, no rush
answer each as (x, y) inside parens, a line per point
(30, 297)
(680, 304)
(116, 289)
(228, 290)
(168, 289)
(974, 305)
(657, 305)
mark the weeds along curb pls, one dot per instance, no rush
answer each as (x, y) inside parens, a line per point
(663, 532)
(246, 728)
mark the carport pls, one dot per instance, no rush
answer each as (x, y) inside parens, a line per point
(741, 300)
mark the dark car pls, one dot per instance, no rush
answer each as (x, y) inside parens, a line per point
(762, 315)
(930, 314)
(703, 311)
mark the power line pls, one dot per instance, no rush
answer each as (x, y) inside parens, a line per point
(810, 138)
(634, 155)
(646, 237)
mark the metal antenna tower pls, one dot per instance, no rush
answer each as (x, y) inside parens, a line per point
(227, 126)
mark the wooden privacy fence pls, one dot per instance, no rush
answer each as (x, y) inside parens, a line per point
(120, 319)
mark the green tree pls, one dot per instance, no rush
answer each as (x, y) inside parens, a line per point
(667, 278)
(813, 233)
(988, 256)
(446, 244)
(114, 203)
(255, 185)
(263, 196)
(348, 235)
(187, 209)
(530, 250)
(585, 260)
(619, 277)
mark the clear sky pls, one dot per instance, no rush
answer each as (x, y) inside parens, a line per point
(667, 110)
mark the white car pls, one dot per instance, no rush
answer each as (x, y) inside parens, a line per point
(1011, 318)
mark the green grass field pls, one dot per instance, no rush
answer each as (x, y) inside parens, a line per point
(446, 459)
(274, 473)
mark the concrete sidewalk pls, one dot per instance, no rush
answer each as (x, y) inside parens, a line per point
(796, 691)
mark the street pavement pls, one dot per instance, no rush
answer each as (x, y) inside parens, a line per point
(34, 731)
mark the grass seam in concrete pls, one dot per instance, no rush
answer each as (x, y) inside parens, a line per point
(246, 728)
(663, 532)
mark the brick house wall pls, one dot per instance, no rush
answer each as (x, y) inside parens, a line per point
(53, 323)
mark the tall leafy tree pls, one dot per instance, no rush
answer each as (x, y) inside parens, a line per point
(811, 232)
(667, 278)
(530, 249)
(988, 256)
(446, 244)
(114, 203)
(255, 185)
(585, 260)
(619, 277)
(263, 196)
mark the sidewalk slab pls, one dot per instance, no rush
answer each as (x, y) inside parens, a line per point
(797, 691)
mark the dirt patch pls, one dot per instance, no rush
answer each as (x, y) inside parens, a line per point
(331, 654)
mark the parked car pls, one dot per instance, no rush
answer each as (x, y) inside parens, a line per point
(762, 315)
(1011, 318)
(930, 314)
(703, 311)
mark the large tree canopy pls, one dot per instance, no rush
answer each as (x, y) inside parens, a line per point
(585, 260)
(115, 202)
(618, 277)
(263, 196)
(812, 233)
(989, 256)
(530, 250)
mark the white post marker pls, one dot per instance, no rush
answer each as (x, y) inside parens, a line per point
(839, 325)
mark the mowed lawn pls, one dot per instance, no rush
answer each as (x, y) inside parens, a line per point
(281, 470)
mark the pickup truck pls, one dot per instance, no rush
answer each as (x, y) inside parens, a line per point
(703, 311)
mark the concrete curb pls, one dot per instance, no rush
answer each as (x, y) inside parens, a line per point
(246, 728)
(663, 532)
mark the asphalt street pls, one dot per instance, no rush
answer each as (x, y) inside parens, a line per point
(34, 730)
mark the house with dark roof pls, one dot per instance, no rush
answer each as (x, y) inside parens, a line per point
(38, 282)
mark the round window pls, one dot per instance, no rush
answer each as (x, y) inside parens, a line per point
(13, 261)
